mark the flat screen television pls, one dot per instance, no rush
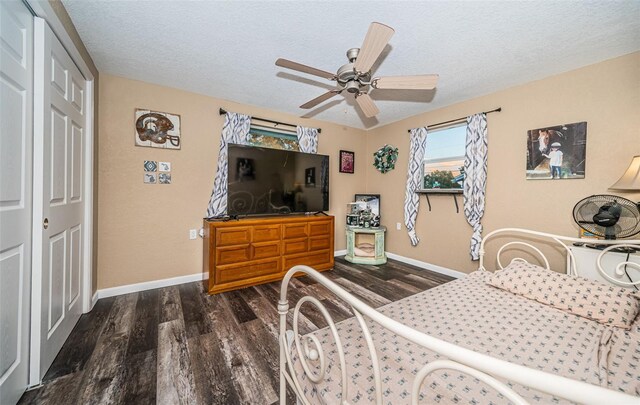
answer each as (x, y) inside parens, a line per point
(264, 181)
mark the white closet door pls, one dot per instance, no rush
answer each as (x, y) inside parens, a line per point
(59, 190)
(16, 137)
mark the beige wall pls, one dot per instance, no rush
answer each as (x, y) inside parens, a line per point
(606, 95)
(144, 228)
(64, 18)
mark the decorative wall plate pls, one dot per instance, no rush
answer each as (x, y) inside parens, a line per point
(157, 129)
(164, 166)
(164, 178)
(150, 178)
(150, 166)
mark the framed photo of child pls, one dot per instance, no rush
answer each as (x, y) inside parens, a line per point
(557, 152)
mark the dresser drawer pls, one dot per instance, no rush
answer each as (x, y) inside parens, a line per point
(310, 259)
(295, 246)
(266, 233)
(264, 250)
(233, 254)
(290, 231)
(235, 272)
(236, 235)
(253, 251)
(319, 228)
(319, 243)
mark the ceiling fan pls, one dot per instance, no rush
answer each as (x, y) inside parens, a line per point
(355, 76)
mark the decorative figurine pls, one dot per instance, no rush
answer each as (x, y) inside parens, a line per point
(360, 214)
(352, 219)
(366, 217)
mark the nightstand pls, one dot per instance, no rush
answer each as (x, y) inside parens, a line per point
(365, 245)
(586, 264)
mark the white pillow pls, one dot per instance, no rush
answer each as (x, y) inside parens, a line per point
(591, 299)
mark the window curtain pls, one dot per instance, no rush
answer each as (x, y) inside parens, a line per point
(414, 181)
(235, 130)
(475, 182)
(307, 139)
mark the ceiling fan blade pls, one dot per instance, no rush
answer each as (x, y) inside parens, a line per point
(418, 82)
(366, 105)
(320, 99)
(304, 68)
(374, 42)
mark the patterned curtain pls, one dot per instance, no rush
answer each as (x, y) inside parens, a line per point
(475, 182)
(307, 139)
(235, 130)
(414, 181)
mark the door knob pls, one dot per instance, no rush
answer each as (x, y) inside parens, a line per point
(45, 223)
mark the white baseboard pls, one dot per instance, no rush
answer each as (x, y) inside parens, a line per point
(94, 299)
(147, 285)
(427, 266)
(150, 285)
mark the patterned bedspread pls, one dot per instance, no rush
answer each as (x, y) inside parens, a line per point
(472, 314)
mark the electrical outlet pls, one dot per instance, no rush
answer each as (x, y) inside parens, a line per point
(193, 234)
(398, 226)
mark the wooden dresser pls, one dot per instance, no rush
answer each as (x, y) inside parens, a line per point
(241, 253)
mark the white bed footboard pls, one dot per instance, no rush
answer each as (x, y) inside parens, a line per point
(481, 366)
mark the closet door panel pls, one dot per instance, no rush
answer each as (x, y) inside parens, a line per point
(16, 158)
(60, 195)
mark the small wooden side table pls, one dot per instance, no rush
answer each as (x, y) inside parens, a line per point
(365, 245)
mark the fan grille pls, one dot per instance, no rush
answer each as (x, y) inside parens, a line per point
(627, 225)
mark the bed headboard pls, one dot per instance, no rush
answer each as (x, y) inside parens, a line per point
(564, 242)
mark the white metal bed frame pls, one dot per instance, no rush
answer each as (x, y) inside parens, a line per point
(481, 366)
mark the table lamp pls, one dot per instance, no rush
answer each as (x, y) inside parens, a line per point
(630, 180)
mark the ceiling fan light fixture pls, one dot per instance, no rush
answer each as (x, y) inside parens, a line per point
(353, 87)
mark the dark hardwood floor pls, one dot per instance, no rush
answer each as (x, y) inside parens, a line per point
(177, 345)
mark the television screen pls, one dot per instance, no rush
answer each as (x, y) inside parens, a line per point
(275, 181)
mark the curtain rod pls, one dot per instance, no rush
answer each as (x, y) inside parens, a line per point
(459, 119)
(223, 112)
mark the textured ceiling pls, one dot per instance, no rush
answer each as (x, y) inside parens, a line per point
(227, 49)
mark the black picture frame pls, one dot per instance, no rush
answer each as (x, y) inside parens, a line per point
(347, 161)
(372, 199)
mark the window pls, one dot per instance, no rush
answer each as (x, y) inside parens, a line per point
(444, 159)
(268, 137)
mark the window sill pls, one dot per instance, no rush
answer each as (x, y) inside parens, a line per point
(441, 191)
